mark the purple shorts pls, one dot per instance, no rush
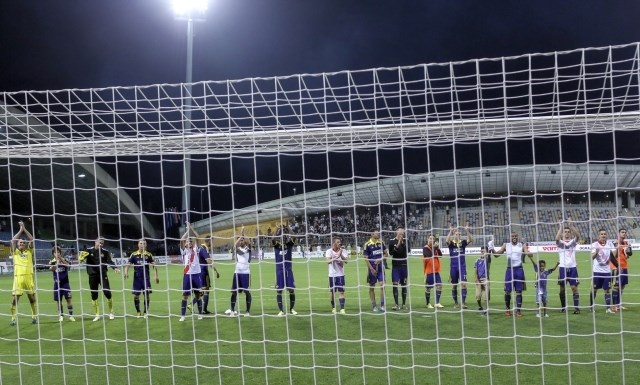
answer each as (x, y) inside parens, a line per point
(191, 283)
(514, 279)
(336, 284)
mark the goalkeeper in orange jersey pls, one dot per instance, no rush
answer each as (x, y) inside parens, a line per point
(621, 273)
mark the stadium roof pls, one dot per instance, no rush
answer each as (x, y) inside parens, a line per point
(444, 186)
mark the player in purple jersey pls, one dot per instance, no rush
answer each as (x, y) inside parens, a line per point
(482, 273)
(541, 284)
(141, 260)
(375, 252)
(206, 261)
(283, 245)
(458, 269)
(60, 266)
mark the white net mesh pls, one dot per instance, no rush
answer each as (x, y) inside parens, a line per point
(519, 144)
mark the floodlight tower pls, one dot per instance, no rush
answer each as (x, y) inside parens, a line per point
(191, 11)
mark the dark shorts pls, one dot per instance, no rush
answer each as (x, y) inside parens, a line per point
(433, 279)
(623, 277)
(205, 278)
(284, 278)
(601, 280)
(514, 279)
(458, 274)
(191, 283)
(372, 279)
(61, 290)
(336, 284)
(141, 284)
(399, 274)
(241, 282)
(568, 274)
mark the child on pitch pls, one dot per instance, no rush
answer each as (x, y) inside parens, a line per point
(481, 281)
(541, 284)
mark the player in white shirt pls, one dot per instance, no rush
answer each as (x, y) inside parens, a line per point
(514, 279)
(336, 258)
(191, 281)
(567, 240)
(241, 277)
(603, 252)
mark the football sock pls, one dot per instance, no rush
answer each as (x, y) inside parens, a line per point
(454, 294)
(464, 295)
(70, 309)
(248, 300)
(404, 295)
(136, 303)
(563, 299)
(576, 300)
(518, 301)
(234, 297)
(607, 299)
(205, 302)
(94, 304)
(13, 311)
(279, 300)
(438, 295)
(427, 296)
(341, 300)
(616, 297)
(395, 294)
(183, 307)
(110, 305)
(507, 300)
(292, 300)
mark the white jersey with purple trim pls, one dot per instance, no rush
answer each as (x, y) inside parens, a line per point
(603, 256)
(567, 252)
(243, 255)
(514, 254)
(336, 267)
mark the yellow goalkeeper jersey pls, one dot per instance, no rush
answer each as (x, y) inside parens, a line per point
(23, 262)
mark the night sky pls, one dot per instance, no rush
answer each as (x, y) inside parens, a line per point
(92, 44)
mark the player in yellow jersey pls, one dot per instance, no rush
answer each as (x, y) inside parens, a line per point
(23, 268)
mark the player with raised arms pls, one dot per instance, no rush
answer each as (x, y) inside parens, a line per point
(336, 258)
(241, 276)
(622, 278)
(541, 284)
(205, 262)
(60, 266)
(98, 260)
(458, 269)
(141, 260)
(567, 240)
(514, 279)
(283, 245)
(23, 269)
(399, 251)
(431, 254)
(375, 253)
(191, 280)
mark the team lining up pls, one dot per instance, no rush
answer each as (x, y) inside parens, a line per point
(609, 272)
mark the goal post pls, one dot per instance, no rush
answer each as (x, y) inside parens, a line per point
(516, 144)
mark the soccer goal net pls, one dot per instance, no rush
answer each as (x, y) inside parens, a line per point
(284, 167)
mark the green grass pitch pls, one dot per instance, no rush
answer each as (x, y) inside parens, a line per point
(315, 347)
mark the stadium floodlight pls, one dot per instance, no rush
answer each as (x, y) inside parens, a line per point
(189, 8)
